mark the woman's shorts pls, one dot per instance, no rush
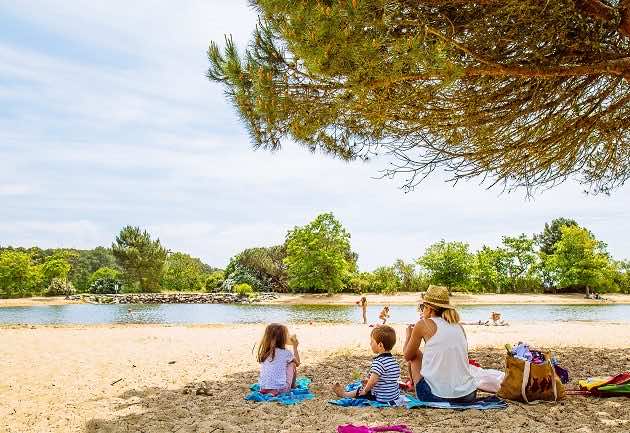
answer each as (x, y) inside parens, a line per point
(423, 393)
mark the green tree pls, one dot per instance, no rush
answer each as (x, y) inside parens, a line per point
(384, 279)
(360, 282)
(264, 264)
(447, 263)
(55, 267)
(107, 273)
(410, 279)
(579, 260)
(523, 92)
(214, 280)
(520, 261)
(141, 258)
(489, 270)
(87, 262)
(183, 273)
(18, 278)
(319, 255)
(546, 240)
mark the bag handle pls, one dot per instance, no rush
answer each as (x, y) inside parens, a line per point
(526, 374)
(526, 371)
(553, 381)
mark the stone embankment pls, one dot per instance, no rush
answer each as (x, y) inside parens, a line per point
(174, 298)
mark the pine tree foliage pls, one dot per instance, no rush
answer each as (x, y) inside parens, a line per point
(521, 93)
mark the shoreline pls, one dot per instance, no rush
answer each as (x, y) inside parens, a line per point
(514, 325)
(405, 298)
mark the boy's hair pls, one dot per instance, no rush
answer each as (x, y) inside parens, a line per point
(384, 334)
(276, 336)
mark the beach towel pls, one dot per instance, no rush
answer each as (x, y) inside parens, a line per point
(488, 403)
(608, 386)
(410, 402)
(298, 394)
(364, 402)
(349, 428)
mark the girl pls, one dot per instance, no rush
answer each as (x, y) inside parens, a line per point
(363, 304)
(441, 373)
(384, 314)
(277, 364)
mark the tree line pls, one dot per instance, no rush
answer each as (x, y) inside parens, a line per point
(318, 258)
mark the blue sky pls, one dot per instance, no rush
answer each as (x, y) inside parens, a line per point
(106, 119)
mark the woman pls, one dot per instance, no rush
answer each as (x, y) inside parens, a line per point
(442, 372)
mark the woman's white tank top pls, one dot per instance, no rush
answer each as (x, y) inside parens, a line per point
(445, 361)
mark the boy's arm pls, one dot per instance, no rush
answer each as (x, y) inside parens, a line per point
(370, 384)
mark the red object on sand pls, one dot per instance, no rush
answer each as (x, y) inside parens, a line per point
(473, 362)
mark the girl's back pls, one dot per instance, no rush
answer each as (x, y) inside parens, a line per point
(273, 372)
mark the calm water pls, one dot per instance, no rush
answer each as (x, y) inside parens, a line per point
(217, 313)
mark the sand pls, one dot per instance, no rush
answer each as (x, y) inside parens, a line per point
(59, 379)
(402, 298)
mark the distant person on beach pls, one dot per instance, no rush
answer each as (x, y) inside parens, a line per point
(363, 304)
(382, 383)
(441, 371)
(384, 314)
(495, 320)
(277, 364)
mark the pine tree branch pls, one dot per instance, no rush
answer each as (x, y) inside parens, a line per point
(624, 23)
(618, 67)
(602, 11)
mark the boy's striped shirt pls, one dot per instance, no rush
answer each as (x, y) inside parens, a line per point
(388, 370)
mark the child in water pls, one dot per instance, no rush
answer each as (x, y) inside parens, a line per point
(384, 314)
(277, 364)
(363, 304)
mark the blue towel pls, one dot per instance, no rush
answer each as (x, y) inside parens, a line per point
(357, 402)
(491, 402)
(296, 395)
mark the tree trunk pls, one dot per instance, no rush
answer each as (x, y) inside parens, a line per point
(588, 295)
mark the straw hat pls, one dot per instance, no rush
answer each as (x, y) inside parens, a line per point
(437, 296)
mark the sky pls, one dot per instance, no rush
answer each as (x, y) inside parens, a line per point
(107, 120)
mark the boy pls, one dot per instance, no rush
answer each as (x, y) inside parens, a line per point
(382, 385)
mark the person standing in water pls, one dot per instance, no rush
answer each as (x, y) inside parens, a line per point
(363, 304)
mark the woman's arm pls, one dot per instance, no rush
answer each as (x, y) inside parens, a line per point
(412, 346)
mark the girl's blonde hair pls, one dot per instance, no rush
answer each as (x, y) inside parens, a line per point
(275, 336)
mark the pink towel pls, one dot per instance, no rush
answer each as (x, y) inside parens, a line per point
(349, 428)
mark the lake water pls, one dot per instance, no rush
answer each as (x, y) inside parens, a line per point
(89, 314)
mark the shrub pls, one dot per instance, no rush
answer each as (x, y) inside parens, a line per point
(242, 275)
(105, 285)
(59, 287)
(214, 281)
(105, 272)
(243, 289)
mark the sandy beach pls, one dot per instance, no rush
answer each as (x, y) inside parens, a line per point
(403, 298)
(107, 379)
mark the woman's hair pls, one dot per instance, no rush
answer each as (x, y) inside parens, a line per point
(449, 314)
(275, 336)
